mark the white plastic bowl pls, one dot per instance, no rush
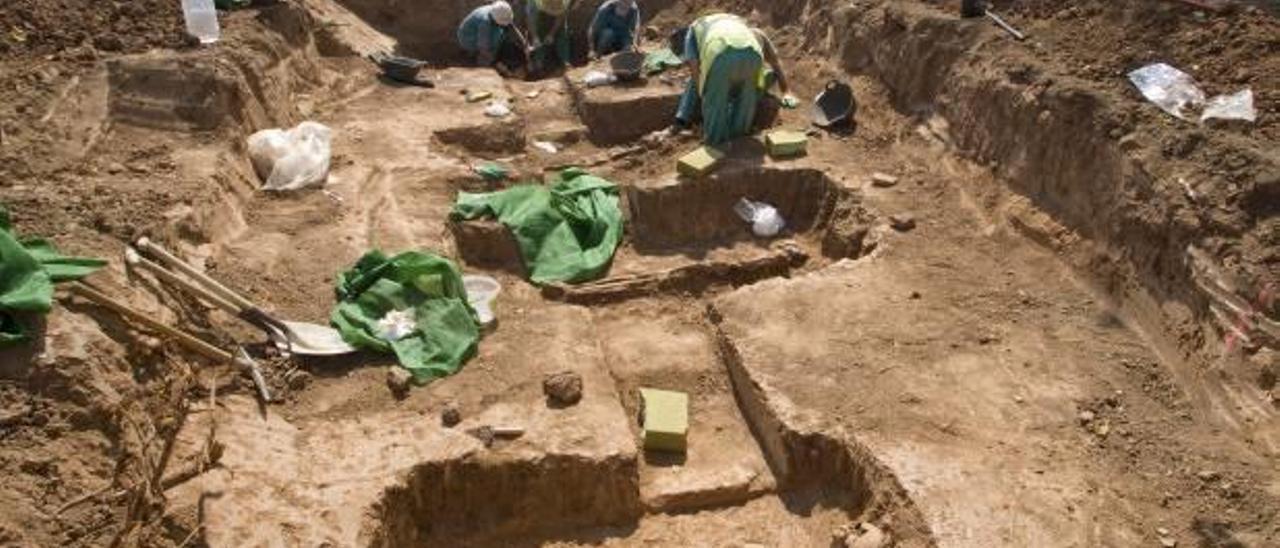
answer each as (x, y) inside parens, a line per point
(481, 292)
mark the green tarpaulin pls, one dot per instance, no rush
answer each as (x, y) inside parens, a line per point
(430, 289)
(658, 61)
(567, 232)
(28, 270)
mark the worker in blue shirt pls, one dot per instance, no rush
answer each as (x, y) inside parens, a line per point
(615, 27)
(484, 31)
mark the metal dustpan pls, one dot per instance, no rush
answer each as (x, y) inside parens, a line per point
(302, 338)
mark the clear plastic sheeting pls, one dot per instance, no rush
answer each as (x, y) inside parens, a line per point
(1169, 88)
(293, 159)
(1174, 91)
(1231, 107)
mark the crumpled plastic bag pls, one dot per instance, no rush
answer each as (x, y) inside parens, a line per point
(1173, 90)
(293, 159)
(1169, 88)
(595, 79)
(1231, 107)
(765, 220)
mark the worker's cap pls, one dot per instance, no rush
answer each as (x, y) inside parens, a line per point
(502, 13)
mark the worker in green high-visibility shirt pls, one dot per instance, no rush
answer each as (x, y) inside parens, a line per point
(548, 22)
(729, 59)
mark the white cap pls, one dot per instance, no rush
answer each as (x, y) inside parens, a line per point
(502, 13)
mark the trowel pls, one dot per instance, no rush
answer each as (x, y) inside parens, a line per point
(301, 338)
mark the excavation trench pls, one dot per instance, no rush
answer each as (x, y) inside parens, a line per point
(774, 474)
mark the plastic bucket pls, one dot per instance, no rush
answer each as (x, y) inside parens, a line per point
(834, 106)
(627, 65)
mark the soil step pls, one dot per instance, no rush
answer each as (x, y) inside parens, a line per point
(723, 465)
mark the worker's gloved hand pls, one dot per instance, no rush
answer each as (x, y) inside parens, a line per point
(790, 101)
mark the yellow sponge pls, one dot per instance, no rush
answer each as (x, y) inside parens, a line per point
(666, 420)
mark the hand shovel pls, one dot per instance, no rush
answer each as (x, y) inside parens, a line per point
(306, 339)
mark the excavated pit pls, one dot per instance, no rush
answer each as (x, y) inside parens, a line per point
(761, 469)
(684, 237)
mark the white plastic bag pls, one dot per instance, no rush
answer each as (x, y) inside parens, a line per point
(765, 220)
(595, 79)
(1167, 87)
(1231, 107)
(267, 147)
(294, 159)
(498, 109)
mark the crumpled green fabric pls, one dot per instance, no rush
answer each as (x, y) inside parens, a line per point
(447, 329)
(656, 62)
(567, 232)
(492, 172)
(28, 270)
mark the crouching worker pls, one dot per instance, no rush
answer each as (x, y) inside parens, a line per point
(548, 22)
(729, 77)
(615, 28)
(488, 32)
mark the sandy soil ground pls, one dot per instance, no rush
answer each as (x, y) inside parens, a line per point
(1034, 359)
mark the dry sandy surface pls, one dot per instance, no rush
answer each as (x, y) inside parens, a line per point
(1052, 329)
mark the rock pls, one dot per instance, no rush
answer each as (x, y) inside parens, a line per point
(115, 167)
(867, 536)
(902, 222)
(399, 380)
(1208, 475)
(297, 379)
(883, 180)
(1168, 542)
(563, 389)
(1162, 531)
(652, 33)
(450, 416)
(1087, 417)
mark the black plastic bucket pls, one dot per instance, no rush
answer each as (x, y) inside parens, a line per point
(627, 66)
(835, 106)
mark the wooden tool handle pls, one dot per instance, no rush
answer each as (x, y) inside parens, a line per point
(186, 339)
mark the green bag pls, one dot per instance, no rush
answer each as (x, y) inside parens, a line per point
(447, 331)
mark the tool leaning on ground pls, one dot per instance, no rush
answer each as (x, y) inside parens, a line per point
(188, 340)
(978, 8)
(301, 338)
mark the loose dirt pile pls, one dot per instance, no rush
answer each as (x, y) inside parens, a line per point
(69, 27)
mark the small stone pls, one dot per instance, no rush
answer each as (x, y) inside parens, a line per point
(1207, 475)
(1102, 429)
(450, 416)
(1167, 542)
(1163, 532)
(399, 380)
(115, 167)
(883, 180)
(1087, 417)
(915, 296)
(902, 222)
(562, 389)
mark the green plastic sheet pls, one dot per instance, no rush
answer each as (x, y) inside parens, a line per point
(567, 232)
(447, 331)
(659, 61)
(28, 270)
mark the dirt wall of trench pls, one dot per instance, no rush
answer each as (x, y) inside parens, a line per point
(1122, 191)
